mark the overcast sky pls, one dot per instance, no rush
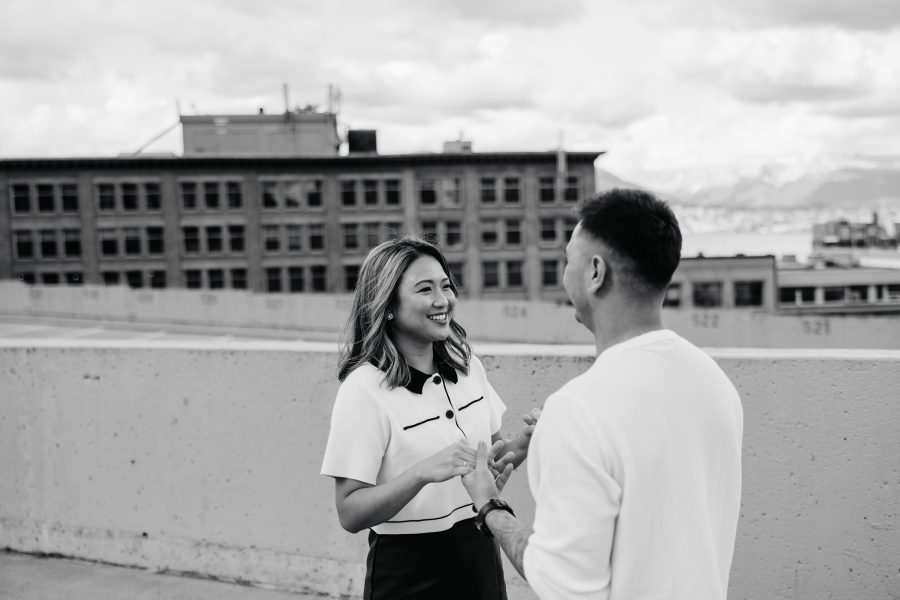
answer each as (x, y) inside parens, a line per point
(681, 93)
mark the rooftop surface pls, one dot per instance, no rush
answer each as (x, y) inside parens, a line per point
(26, 577)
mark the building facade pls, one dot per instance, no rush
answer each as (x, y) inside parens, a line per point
(279, 224)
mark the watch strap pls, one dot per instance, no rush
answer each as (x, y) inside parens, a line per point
(490, 505)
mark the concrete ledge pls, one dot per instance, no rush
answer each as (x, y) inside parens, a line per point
(213, 449)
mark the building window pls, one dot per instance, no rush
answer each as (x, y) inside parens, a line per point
(349, 236)
(26, 277)
(548, 230)
(453, 192)
(454, 234)
(351, 274)
(235, 194)
(834, 294)
(319, 278)
(456, 273)
(430, 231)
(547, 190)
(24, 244)
(129, 196)
(157, 279)
(106, 197)
(211, 194)
(269, 189)
(514, 273)
(373, 234)
(316, 236)
(109, 242)
(46, 199)
(50, 278)
(394, 229)
(348, 193)
(155, 243)
(49, 247)
(132, 241)
(370, 192)
(193, 279)
(314, 193)
(271, 238)
(134, 279)
(673, 296)
(273, 279)
(72, 242)
(236, 238)
(295, 279)
(392, 192)
(489, 235)
(292, 194)
(797, 295)
(511, 190)
(748, 293)
(488, 190)
(549, 273)
(572, 189)
(427, 192)
(569, 227)
(216, 279)
(490, 274)
(707, 294)
(74, 278)
(858, 293)
(239, 279)
(111, 278)
(69, 197)
(294, 239)
(214, 239)
(21, 198)
(191, 237)
(513, 232)
(188, 195)
(153, 196)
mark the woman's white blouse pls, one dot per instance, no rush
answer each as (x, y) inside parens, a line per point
(377, 433)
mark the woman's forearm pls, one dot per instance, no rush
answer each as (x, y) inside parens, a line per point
(373, 505)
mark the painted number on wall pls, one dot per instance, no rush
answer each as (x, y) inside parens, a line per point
(705, 320)
(816, 327)
(515, 312)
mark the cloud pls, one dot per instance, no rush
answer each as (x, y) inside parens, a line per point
(873, 15)
(538, 13)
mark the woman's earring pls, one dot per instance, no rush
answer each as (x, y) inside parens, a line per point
(390, 316)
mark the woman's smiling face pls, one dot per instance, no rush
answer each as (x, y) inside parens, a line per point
(425, 303)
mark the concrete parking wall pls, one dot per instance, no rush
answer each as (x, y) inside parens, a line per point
(319, 316)
(204, 458)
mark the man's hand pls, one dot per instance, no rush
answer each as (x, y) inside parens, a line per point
(480, 482)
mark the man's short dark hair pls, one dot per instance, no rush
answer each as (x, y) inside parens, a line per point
(640, 228)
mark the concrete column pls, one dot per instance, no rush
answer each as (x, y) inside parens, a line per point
(819, 296)
(87, 210)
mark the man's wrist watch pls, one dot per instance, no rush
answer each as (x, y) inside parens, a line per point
(492, 504)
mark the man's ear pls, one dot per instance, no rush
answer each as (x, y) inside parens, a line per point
(598, 273)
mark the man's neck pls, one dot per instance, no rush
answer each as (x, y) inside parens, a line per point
(625, 326)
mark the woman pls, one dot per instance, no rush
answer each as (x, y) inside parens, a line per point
(412, 406)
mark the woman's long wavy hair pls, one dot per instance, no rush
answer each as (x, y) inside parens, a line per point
(367, 335)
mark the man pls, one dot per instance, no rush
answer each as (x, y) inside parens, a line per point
(635, 465)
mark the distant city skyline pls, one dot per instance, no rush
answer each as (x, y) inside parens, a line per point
(683, 96)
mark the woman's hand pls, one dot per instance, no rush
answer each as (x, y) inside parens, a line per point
(516, 449)
(454, 460)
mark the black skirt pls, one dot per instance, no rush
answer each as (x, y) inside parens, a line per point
(457, 564)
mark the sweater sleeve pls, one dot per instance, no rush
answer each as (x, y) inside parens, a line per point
(568, 555)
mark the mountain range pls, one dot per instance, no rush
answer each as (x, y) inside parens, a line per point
(836, 188)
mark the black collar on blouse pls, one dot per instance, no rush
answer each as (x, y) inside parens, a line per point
(417, 378)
